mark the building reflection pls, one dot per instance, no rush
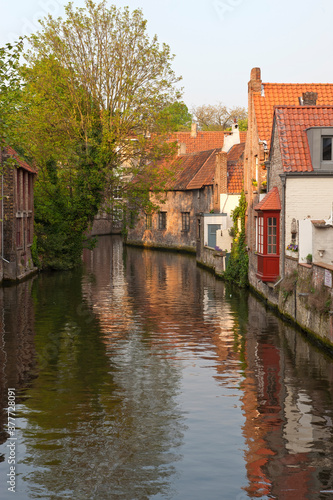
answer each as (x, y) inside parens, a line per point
(17, 348)
(285, 382)
(288, 427)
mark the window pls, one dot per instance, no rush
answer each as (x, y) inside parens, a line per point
(18, 233)
(149, 221)
(271, 235)
(327, 148)
(162, 220)
(260, 247)
(185, 221)
(320, 140)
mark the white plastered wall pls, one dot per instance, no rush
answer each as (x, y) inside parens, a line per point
(307, 198)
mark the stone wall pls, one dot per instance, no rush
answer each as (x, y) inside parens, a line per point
(304, 302)
(173, 236)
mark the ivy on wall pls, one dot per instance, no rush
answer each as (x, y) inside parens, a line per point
(238, 265)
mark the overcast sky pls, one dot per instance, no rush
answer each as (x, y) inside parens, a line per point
(217, 42)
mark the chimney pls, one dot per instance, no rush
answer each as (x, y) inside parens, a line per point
(220, 178)
(231, 139)
(308, 99)
(255, 80)
(194, 130)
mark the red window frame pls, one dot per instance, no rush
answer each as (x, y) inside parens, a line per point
(268, 248)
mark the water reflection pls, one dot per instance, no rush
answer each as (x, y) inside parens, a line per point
(145, 377)
(288, 404)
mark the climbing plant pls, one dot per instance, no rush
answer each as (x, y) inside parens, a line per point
(237, 269)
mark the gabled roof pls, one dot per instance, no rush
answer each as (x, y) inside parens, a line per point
(292, 122)
(236, 168)
(279, 94)
(21, 163)
(270, 202)
(198, 169)
(194, 171)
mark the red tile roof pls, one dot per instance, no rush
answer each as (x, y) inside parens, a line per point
(197, 170)
(204, 141)
(194, 171)
(270, 202)
(236, 168)
(292, 122)
(242, 135)
(21, 163)
(279, 94)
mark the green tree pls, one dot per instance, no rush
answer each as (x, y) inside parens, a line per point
(238, 265)
(218, 116)
(10, 89)
(97, 90)
(175, 117)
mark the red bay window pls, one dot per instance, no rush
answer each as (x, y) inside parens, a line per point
(268, 236)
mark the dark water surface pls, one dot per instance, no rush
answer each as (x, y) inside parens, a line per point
(143, 377)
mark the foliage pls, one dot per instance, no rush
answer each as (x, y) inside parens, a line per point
(309, 257)
(175, 117)
(288, 284)
(99, 95)
(10, 88)
(320, 300)
(219, 116)
(237, 270)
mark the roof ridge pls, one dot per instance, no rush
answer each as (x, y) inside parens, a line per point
(295, 84)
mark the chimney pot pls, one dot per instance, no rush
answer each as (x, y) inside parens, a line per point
(194, 130)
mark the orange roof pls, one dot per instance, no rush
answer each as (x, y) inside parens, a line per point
(235, 168)
(242, 135)
(292, 122)
(270, 202)
(21, 163)
(279, 94)
(202, 142)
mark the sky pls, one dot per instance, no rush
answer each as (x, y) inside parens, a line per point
(217, 42)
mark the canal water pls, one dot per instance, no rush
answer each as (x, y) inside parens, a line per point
(141, 376)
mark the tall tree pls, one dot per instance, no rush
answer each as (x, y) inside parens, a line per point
(96, 86)
(10, 88)
(218, 116)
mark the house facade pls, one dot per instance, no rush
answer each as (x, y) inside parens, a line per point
(262, 98)
(197, 204)
(17, 209)
(174, 225)
(292, 223)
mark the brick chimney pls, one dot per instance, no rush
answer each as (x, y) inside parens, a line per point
(255, 80)
(194, 130)
(308, 99)
(220, 178)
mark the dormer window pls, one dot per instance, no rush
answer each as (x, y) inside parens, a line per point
(320, 141)
(326, 148)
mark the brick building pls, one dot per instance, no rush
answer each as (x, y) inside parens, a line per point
(262, 98)
(17, 209)
(206, 182)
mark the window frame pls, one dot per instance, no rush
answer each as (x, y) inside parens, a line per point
(186, 222)
(162, 221)
(149, 221)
